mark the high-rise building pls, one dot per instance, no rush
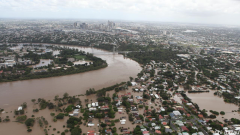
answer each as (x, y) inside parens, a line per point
(164, 32)
(84, 26)
(75, 24)
(111, 25)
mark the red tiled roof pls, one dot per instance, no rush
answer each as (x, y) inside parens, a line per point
(184, 128)
(158, 131)
(91, 131)
(164, 123)
(145, 132)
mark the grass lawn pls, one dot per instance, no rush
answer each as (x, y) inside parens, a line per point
(80, 57)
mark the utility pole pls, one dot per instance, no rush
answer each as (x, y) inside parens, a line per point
(114, 49)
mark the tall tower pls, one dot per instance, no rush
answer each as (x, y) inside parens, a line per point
(75, 24)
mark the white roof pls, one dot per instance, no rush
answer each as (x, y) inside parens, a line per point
(76, 110)
(90, 124)
(237, 128)
(123, 122)
(78, 106)
(19, 108)
(162, 109)
(176, 113)
(225, 128)
(134, 83)
(153, 124)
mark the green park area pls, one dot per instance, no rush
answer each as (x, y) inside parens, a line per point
(80, 57)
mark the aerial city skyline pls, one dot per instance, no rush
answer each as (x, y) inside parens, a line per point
(183, 11)
(119, 67)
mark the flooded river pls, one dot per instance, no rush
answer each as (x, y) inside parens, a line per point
(119, 69)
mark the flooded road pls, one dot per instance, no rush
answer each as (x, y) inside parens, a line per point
(209, 102)
(119, 69)
(42, 63)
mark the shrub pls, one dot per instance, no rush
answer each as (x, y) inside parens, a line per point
(35, 110)
(54, 119)
(60, 116)
(29, 122)
(21, 118)
(69, 108)
(103, 125)
(29, 130)
(222, 113)
(212, 116)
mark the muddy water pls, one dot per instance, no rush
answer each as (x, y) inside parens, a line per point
(119, 69)
(21, 129)
(42, 63)
(209, 102)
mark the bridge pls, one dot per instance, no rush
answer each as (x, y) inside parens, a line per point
(112, 53)
(115, 51)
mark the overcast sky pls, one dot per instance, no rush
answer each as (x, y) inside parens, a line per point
(191, 11)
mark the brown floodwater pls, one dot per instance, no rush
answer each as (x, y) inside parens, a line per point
(209, 102)
(119, 69)
(13, 94)
(42, 63)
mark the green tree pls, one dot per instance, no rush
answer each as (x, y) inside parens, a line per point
(111, 114)
(60, 116)
(29, 122)
(222, 113)
(76, 131)
(65, 95)
(33, 100)
(114, 130)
